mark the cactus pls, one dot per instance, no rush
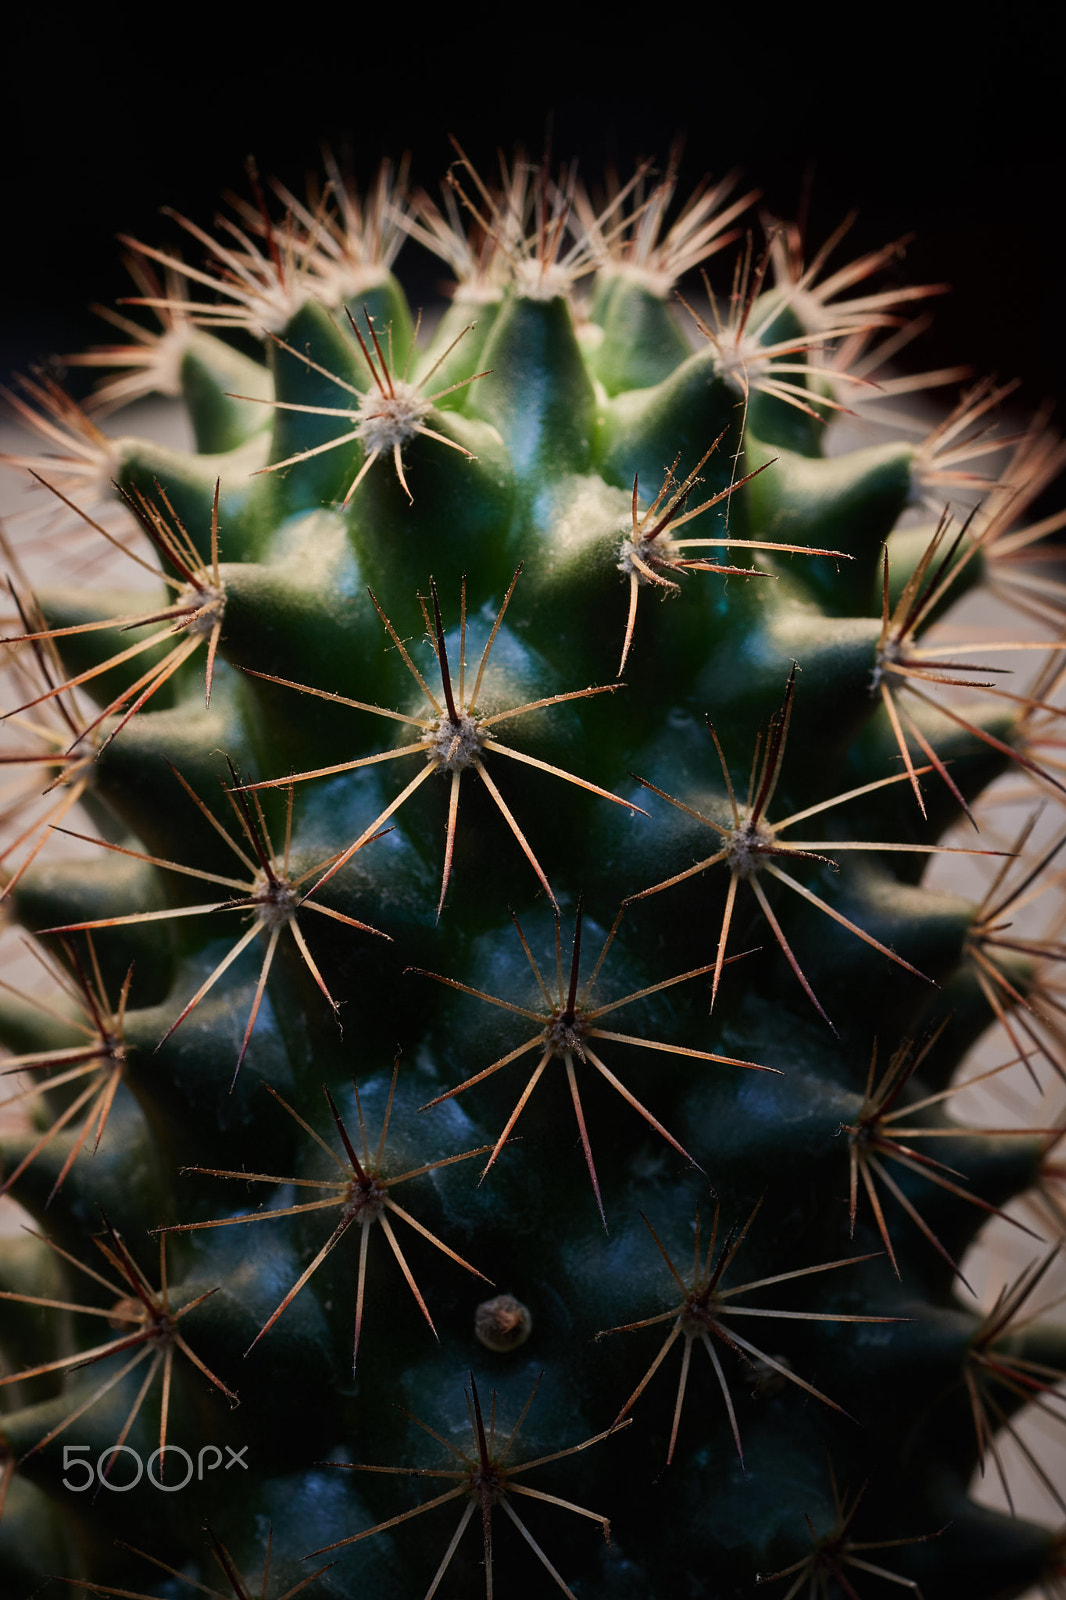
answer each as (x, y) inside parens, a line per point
(498, 1027)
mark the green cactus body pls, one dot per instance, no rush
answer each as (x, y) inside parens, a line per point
(503, 1036)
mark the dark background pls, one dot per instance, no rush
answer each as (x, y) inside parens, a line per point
(926, 128)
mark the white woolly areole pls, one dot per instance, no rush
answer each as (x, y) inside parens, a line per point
(889, 653)
(210, 602)
(740, 364)
(351, 280)
(477, 292)
(541, 280)
(564, 1034)
(746, 844)
(660, 550)
(275, 902)
(386, 420)
(273, 313)
(366, 1201)
(160, 371)
(454, 745)
(657, 282)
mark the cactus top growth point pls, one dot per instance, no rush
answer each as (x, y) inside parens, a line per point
(490, 1077)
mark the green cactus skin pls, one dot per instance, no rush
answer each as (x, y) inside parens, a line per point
(501, 897)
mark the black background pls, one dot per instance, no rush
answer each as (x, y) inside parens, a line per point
(924, 126)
